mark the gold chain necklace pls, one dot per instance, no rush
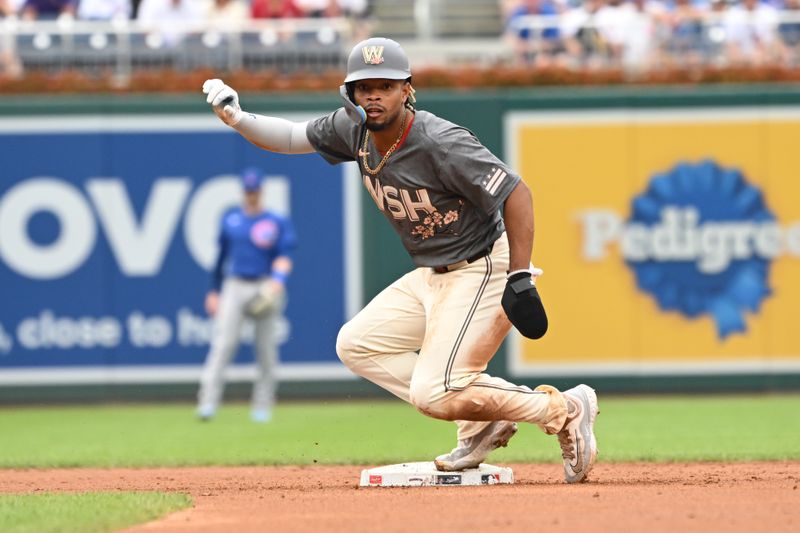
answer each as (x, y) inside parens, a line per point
(389, 152)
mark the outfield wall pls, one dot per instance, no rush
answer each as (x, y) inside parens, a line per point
(667, 224)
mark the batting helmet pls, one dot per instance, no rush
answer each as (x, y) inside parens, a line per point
(377, 57)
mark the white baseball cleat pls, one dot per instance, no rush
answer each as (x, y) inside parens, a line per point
(261, 416)
(471, 452)
(576, 438)
(206, 412)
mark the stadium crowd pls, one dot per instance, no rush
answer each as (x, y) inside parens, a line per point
(182, 9)
(633, 34)
(168, 21)
(638, 34)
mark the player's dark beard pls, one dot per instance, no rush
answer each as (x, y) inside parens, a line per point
(372, 126)
(375, 126)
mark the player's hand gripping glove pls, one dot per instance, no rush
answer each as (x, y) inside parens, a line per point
(522, 303)
(224, 101)
(266, 299)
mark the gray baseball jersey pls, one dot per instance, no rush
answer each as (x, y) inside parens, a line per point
(442, 190)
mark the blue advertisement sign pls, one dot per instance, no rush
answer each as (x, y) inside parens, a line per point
(108, 231)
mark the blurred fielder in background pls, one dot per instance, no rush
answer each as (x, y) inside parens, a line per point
(467, 221)
(254, 261)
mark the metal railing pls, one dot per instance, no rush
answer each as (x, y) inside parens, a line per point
(289, 45)
(123, 46)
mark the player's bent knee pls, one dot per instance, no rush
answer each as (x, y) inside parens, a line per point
(343, 348)
(347, 347)
(449, 405)
(438, 410)
(429, 403)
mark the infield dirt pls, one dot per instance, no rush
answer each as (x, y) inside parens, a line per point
(706, 497)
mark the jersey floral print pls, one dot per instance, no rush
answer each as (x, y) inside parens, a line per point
(437, 223)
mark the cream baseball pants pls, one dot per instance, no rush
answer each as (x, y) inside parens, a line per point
(428, 337)
(234, 297)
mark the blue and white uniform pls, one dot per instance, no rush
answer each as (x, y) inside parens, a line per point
(248, 247)
(249, 244)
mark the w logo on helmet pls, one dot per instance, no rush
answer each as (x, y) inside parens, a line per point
(373, 55)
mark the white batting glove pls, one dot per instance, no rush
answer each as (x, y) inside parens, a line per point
(224, 101)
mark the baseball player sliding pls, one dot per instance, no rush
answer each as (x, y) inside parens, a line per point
(467, 221)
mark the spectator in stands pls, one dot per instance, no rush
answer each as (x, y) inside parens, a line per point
(790, 32)
(714, 36)
(105, 9)
(48, 9)
(278, 9)
(629, 29)
(10, 65)
(538, 45)
(10, 8)
(357, 12)
(6, 8)
(316, 8)
(642, 39)
(752, 30)
(227, 12)
(275, 9)
(224, 18)
(169, 19)
(351, 8)
(584, 44)
(135, 8)
(685, 19)
(612, 20)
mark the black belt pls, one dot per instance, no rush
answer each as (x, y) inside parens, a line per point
(248, 278)
(449, 268)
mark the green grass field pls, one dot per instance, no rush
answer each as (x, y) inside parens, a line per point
(84, 512)
(363, 432)
(690, 428)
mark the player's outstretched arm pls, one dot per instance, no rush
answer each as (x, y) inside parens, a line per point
(521, 300)
(270, 133)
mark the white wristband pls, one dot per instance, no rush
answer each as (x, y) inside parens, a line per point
(534, 271)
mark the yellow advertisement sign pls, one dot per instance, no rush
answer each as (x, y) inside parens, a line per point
(670, 239)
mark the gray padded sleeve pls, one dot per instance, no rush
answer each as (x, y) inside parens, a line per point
(275, 134)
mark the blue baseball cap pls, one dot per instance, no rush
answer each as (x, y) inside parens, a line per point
(251, 179)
